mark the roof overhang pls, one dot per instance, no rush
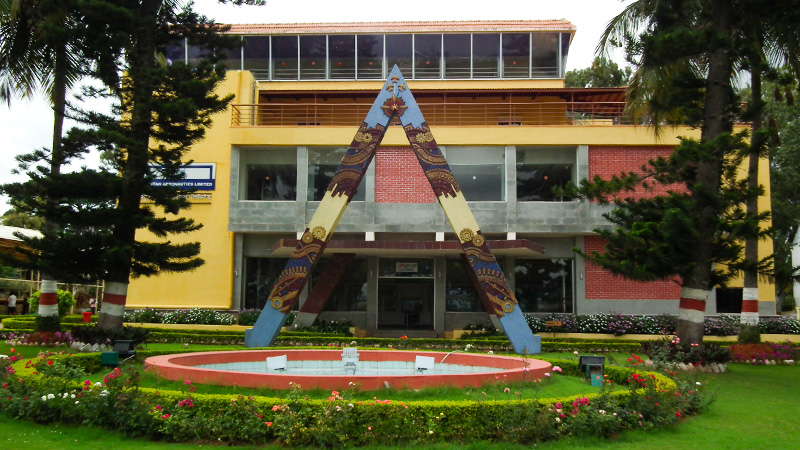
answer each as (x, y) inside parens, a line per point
(514, 247)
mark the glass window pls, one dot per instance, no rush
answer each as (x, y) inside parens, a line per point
(545, 55)
(405, 267)
(322, 166)
(342, 54)
(260, 276)
(564, 53)
(271, 174)
(461, 295)
(256, 56)
(175, 51)
(284, 57)
(350, 293)
(427, 55)
(399, 52)
(544, 285)
(233, 57)
(195, 53)
(485, 55)
(541, 170)
(479, 172)
(457, 55)
(370, 56)
(516, 55)
(312, 57)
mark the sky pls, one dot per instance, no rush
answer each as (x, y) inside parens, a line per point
(27, 123)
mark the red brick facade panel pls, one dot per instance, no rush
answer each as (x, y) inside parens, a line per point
(609, 161)
(603, 285)
(399, 178)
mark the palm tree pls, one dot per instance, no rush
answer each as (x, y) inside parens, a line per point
(38, 52)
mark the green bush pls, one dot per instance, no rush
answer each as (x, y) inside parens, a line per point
(65, 302)
(120, 405)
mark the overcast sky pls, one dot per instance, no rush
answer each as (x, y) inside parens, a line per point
(27, 124)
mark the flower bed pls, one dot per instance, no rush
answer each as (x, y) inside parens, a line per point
(664, 324)
(31, 390)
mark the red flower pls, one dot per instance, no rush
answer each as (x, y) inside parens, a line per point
(50, 363)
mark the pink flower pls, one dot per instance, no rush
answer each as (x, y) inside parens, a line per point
(547, 375)
(506, 390)
(556, 369)
(187, 382)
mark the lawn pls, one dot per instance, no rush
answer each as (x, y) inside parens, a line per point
(756, 408)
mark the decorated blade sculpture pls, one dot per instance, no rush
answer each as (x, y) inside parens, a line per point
(395, 99)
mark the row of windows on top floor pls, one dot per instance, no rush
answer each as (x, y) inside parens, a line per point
(541, 173)
(371, 56)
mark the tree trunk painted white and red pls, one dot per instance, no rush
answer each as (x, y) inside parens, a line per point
(48, 299)
(691, 314)
(749, 306)
(112, 310)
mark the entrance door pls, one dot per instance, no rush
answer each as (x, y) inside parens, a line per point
(405, 294)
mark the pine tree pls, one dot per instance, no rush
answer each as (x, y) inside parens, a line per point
(161, 110)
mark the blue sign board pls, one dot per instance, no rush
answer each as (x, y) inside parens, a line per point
(199, 176)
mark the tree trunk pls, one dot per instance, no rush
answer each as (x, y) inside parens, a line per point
(716, 121)
(48, 297)
(140, 76)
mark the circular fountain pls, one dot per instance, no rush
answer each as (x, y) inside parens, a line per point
(332, 369)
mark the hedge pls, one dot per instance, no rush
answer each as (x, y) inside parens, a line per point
(185, 416)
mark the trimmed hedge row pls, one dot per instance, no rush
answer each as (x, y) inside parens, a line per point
(185, 416)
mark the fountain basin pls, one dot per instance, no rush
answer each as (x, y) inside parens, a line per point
(247, 368)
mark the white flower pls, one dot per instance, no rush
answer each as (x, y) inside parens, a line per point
(77, 401)
(558, 420)
(72, 396)
(50, 396)
(65, 395)
(44, 398)
(698, 383)
(103, 393)
(575, 353)
(601, 411)
(3, 356)
(430, 431)
(490, 352)
(98, 384)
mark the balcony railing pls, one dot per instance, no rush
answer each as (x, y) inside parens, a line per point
(436, 114)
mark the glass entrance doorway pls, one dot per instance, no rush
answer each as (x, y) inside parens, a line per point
(405, 294)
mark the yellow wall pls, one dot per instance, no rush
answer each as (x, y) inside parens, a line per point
(211, 285)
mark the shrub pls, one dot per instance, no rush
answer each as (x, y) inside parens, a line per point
(340, 327)
(248, 317)
(65, 302)
(672, 351)
(195, 316)
(97, 335)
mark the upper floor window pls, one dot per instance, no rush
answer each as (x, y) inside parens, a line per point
(284, 51)
(540, 170)
(419, 56)
(322, 165)
(479, 172)
(270, 175)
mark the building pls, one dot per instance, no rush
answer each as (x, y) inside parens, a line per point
(493, 95)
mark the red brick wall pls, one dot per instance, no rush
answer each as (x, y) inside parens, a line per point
(603, 285)
(399, 177)
(608, 161)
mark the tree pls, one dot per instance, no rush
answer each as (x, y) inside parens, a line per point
(684, 52)
(39, 49)
(602, 73)
(782, 112)
(21, 219)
